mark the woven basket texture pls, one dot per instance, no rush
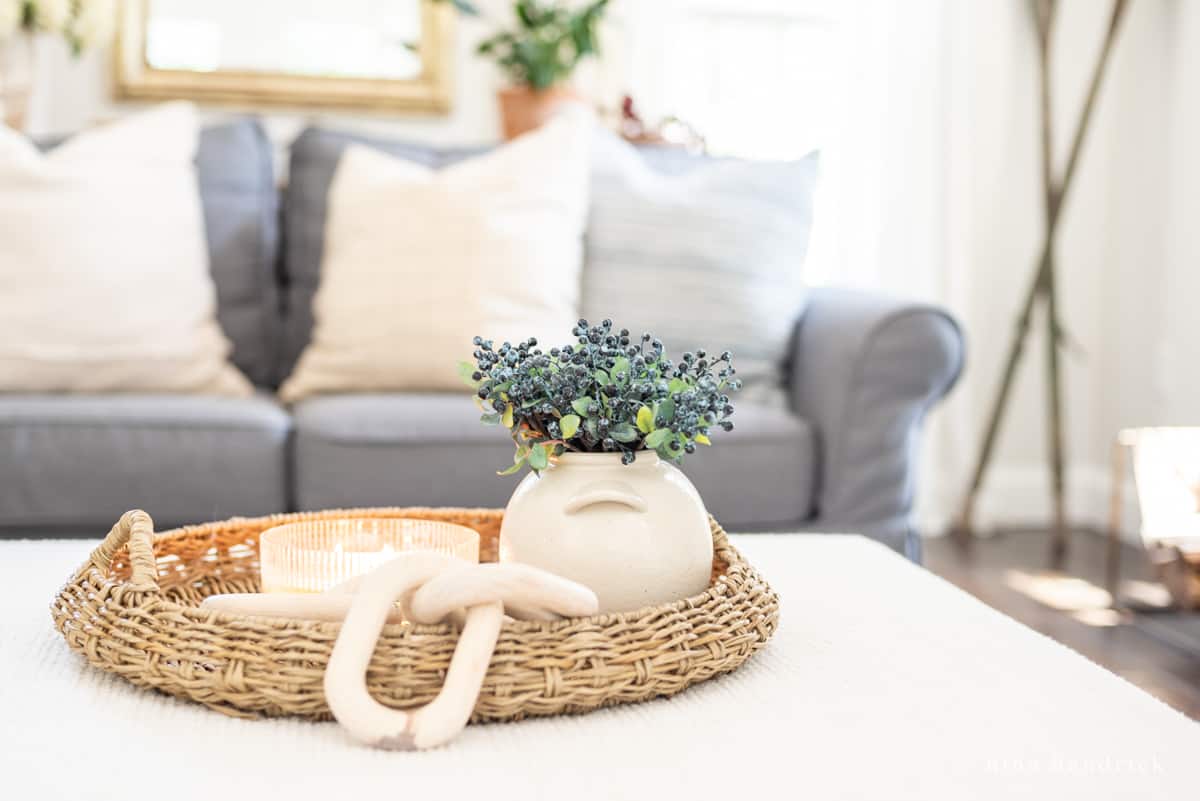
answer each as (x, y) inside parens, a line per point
(132, 609)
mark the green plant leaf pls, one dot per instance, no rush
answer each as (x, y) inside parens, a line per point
(580, 405)
(677, 385)
(539, 457)
(568, 425)
(601, 378)
(492, 418)
(508, 471)
(488, 46)
(507, 419)
(526, 14)
(665, 409)
(623, 432)
(645, 420)
(518, 461)
(546, 43)
(582, 35)
(620, 365)
(658, 437)
(466, 8)
(465, 371)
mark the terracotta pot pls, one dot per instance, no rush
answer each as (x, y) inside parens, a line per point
(635, 534)
(522, 109)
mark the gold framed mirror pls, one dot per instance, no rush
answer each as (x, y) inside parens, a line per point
(376, 55)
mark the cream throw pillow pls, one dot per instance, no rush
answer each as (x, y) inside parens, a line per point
(104, 278)
(417, 261)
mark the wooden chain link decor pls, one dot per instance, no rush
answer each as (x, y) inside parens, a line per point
(133, 609)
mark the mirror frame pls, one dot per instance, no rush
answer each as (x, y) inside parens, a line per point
(431, 91)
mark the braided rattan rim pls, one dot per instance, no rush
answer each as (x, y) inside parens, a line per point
(132, 610)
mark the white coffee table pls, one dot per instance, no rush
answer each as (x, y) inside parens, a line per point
(883, 682)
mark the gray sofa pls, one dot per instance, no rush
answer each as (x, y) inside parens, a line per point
(863, 372)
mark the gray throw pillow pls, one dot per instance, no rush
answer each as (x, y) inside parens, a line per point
(704, 254)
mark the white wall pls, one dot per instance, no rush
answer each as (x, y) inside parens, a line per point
(1177, 365)
(1129, 249)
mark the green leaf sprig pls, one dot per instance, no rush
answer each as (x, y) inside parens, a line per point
(602, 393)
(547, 42)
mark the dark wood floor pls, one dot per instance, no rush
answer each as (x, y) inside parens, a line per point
(1008, 572)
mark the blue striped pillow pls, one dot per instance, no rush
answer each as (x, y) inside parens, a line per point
(707, 256)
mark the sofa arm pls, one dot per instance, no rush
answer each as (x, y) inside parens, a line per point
(865, 368)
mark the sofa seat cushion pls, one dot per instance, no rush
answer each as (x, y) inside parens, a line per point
(69, 460)
(761, 475)
(431, 450)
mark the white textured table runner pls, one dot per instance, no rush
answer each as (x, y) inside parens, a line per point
(883, 682)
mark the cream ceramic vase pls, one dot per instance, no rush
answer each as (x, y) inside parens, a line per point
(635, 534)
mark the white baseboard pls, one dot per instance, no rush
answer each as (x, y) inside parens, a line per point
(1020, 496)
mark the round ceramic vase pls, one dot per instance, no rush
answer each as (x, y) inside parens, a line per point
(635, 534)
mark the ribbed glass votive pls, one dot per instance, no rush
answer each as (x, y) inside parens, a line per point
(316, 555)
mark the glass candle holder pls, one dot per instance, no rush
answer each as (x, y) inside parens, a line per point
(316, 555)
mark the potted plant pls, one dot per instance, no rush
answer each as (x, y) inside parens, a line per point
(82, 23)
(538, 56)
(602, 421)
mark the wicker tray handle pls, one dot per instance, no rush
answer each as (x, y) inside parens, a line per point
(136, 528)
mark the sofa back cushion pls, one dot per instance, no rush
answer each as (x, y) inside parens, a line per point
(241, 217)
(314, 159)
(619, 249)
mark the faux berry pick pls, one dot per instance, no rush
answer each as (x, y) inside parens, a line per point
(604, 392)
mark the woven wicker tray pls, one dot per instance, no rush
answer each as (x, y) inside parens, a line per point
(132, 610)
